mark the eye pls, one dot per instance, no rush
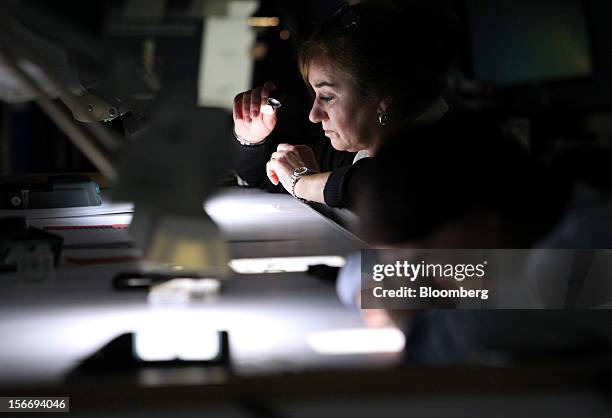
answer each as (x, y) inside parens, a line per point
(326, 99)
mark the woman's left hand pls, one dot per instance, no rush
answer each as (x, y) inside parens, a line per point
(286, 159)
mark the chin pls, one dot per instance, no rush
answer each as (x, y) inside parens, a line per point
(339, 146)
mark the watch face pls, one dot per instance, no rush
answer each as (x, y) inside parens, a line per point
(300, 171)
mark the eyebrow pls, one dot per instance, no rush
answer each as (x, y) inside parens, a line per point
(324, 84)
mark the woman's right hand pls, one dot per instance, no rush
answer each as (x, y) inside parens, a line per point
(249, 123)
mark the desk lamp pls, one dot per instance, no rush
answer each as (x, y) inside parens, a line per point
(176, 160)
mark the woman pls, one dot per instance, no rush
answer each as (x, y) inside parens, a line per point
(354, 64)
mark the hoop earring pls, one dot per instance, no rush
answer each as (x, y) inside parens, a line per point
(383, 118)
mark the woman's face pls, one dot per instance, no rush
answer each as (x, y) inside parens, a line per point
(348, 120)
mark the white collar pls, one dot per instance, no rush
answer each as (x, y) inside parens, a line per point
(361, 155)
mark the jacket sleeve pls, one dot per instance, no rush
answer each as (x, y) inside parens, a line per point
(250, 163)
(344, 183)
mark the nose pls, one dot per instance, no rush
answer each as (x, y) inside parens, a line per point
(317, 114)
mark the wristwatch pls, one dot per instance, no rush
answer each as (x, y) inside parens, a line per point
(298, 173)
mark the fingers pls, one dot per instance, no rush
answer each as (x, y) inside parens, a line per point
(304, 149)
(237, 111)
(255, 102)
(285, 147)
(299, 149)
(272, 176)
(301, 154)
(246, 106)
(305, 152)
(291, 158)
(307, 156)
(285, 160)
(277, 170)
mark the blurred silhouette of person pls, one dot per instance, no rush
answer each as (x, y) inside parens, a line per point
(459, 184)
(463, 185)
